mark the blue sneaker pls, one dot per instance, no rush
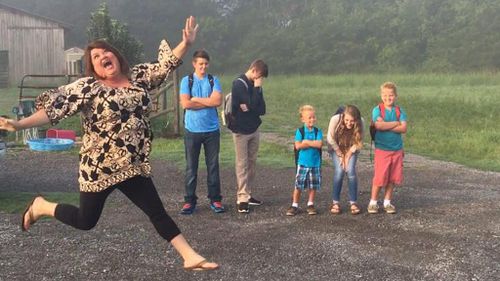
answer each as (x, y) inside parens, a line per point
(188, 208)
(217, 207)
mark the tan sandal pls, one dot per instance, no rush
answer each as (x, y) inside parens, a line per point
(29, 211)
(355, 209)
(201, 266)
(335, 209)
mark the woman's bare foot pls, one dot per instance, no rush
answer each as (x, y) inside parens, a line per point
(198, 262)
(192, 260)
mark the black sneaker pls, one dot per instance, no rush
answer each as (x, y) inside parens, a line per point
(254, 202)
(243, 207)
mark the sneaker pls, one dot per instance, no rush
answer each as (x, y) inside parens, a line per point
(311, 210)
(390, 209)
(372, 208)
(217, 207)
(254, 202)
(243, 207)
(292, 211)
(188, 208)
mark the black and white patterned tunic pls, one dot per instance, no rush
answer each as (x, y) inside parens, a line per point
(117, 133)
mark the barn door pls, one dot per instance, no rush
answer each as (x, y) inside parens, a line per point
(35, 50)
(4, 69)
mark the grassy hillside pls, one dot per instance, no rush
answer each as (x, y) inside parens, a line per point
(451, 116)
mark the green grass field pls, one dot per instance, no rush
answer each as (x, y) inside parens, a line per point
(451, 116)
(15, 202)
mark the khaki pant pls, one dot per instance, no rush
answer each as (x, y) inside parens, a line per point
(246, 147)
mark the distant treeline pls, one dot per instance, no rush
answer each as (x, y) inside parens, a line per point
(309, 36)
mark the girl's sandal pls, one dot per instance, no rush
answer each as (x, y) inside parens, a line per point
(335, 209)
(355, 209)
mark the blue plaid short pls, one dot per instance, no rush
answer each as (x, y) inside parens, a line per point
(308, 177)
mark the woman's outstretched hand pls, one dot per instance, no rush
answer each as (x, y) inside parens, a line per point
(190, 30)
(8, 124)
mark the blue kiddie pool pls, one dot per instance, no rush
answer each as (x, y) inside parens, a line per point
(50, 144)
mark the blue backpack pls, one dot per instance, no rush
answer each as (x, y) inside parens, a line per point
(302, 134)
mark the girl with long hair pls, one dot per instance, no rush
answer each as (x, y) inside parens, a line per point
(345, 140)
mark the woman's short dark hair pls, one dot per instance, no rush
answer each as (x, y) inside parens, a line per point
(102, 44)
(260, 66)
(201, 54)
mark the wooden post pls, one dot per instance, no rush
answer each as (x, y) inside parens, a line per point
(164, 100)
(176, 105)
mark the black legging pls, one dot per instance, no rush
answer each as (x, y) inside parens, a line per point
(140, 190)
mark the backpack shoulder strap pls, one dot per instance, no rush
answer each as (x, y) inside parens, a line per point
(190, 82)
(382, 111)
(398, 112)
(381, 107)
(211, 81)
(295, 150)
(341, 118)
(316, 130)
(302, 132)
(244, 82)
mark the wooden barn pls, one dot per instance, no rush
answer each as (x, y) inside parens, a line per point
(29, 44)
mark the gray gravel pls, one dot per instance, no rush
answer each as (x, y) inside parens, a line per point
(447, 228)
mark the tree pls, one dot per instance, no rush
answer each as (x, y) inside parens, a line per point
(102, 26)
(297, 36)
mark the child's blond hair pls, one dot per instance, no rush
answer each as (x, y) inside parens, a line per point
(304, 108)
(389, 85)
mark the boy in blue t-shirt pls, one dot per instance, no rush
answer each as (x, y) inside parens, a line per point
(200, 95)
(308, 142)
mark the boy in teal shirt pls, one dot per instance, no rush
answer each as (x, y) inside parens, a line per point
(390, 122)
(308, 142)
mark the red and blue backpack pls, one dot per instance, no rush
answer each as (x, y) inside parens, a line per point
(381, 107)
(373, 130)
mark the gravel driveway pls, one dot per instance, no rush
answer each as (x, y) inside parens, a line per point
(447, 228)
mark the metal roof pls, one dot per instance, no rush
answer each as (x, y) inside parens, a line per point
(17, 10)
